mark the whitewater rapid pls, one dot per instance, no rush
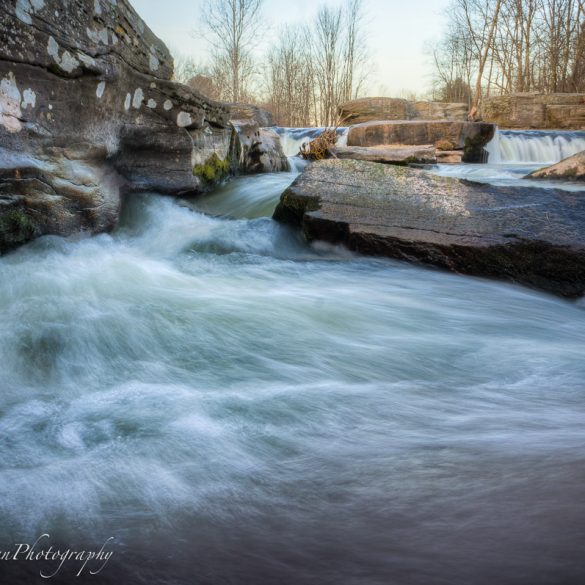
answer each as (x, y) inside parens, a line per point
(236, 406)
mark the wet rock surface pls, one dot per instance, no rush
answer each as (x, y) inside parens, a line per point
(534, 237)
(570, 169)
(258, 149)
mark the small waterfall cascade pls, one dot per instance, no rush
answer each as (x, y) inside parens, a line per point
(293, 138)
(534, 146)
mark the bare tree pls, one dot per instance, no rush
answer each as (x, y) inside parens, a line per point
(515, 45)
(290, 78)
(339, 53)
(232, 27)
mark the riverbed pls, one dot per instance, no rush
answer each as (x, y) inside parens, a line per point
(233, 405)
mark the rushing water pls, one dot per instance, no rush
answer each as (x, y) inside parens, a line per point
(292, 139)
(234, 406)
(514, 154)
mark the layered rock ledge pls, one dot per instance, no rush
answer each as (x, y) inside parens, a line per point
(535, 237)
(396, 154)
(554, 111)
(468, 137)
(88, 111)
(370, 109)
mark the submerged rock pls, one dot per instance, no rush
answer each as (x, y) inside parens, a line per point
(470, 137)
(570, 169)
(535, 237)
(397, 155)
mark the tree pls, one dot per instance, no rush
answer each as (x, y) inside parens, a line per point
(484, 57)
(514, 46)
(290, 78)
(232, 27)
(339, 53)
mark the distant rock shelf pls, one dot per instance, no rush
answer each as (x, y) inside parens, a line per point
(447, 135)
(524, 111)
(372, 109)
(535, 237)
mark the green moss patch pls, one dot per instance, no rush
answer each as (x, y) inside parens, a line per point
(212, 170)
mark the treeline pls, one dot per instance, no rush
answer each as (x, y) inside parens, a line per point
(304, 77)
(503, 46)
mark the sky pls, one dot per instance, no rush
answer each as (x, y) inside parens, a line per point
(399, 32)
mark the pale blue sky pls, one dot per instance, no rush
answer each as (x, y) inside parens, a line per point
(398, 33)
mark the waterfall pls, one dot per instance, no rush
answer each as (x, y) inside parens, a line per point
(293, 138)
(534, 146)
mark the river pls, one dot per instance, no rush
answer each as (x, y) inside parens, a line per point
(233, 405)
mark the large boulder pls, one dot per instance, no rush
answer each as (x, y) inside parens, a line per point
(383, 108)
(86, 90)
(240, 111)
(471, 137)
(87, 108)
(570, 169)
(374, 108)
(557, 111)
(535, 237)
(440, 111)
(259, 150)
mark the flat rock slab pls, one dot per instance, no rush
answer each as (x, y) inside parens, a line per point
(471, 137)
(387, 154)
(570, 169)
(535, 237)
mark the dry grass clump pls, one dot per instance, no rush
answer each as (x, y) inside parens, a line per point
(318, 149)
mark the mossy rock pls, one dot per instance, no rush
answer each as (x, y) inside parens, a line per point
(16, 227)
(212, 170)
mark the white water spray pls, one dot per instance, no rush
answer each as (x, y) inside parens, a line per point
(534, 146)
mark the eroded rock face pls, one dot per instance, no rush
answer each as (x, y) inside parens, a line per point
(86, 82)
(383, 108)
(535, 237)
(570, 169)
(259, 149)
(557, 111)
(60, 193)
(470, 137)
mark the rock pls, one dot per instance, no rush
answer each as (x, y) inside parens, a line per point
(570, 169)
(370, 109)
(535, 237)
(85, 84)
(263, 118)
(259, 149)
(557, 111)
(471, 137)
(383, 108)
(449, 157)
(402, 155)
(440, 111)
(444, 145)
(55, 195)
